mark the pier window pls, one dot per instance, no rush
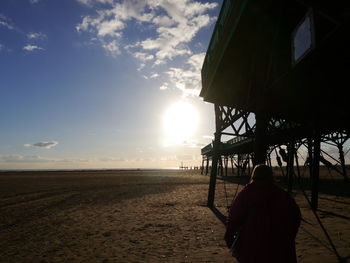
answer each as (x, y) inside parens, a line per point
(303, 38)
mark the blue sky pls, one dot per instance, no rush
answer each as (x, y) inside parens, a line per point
(91, 83)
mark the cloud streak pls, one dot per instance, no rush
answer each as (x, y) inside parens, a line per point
(22, 159)
(46, 145)
(31, 48)
(36, 35)
(5, 22)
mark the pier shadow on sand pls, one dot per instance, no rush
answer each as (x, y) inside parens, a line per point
(329, 186)
(218, 214)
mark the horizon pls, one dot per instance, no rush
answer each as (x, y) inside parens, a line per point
(190, 168)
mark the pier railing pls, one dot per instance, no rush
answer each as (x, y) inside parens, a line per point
(207, 149)
(239, 140)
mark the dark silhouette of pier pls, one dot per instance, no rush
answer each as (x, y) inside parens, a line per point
(275, 73)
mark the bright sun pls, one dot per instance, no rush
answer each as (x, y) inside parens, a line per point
(180, 122)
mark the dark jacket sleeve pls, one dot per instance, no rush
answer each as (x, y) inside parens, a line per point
(237, 212)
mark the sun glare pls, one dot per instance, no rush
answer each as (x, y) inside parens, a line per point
(180, 122)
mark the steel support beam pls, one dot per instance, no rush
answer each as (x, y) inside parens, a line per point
(290, 171)
(342, 162)
(260, 146)
(315, 176)
(215, 159)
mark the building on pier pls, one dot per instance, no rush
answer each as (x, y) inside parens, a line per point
(276, 72)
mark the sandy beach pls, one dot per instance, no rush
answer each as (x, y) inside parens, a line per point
(138, 216)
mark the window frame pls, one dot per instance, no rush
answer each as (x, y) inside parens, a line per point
(310, 14)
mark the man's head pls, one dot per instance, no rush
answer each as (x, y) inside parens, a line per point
(262, 172)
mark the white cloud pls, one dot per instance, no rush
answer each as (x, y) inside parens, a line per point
(164, 86)
(32, 47)
(143, 56)
(1, 46)
(142, 65)
(101, 26)
(110, 28)
(175, 25)
(37, 35)
(85, 2)
(193, 144)
(171, 41)
(34, 1)
(92, 2)
(112, 159)
(184, 20)
(44, 144)
(84, 25)
(5, 22)
(188, 79)
(163, 21)
(73, 160)
(196, 61)
(112, 48)
(154, 75)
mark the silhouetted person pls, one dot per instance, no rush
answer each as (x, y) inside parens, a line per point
(267, 219)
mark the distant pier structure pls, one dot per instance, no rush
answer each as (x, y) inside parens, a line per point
(183, 167)
(278, 73)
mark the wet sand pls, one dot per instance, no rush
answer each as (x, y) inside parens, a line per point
(137, 216)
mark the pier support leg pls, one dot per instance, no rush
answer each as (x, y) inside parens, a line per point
(221, 167)
(290, 171)
(260, 146)
(315, 176)
(249, 172)
(207, 166)
(269, 163)
(238, 165)
(215, 158)
(213, 173)
(310, 154)
(342, 162)
(232, 167)
(202, 166)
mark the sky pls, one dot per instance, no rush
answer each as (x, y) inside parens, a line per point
(91, 84)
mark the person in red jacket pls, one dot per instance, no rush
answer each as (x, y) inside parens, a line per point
(267, 219)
